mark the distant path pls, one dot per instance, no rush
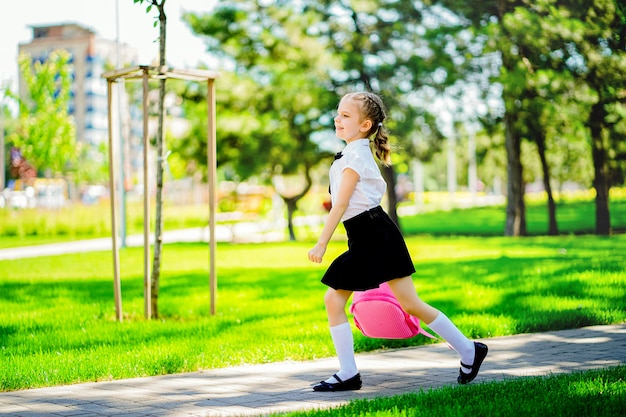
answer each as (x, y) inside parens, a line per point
(240, 232)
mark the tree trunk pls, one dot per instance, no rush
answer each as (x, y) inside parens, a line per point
(392, 198)
(160, 162)
(292, 202)
(292, 205)
(553, 229)
(601, 181)
(515, 210)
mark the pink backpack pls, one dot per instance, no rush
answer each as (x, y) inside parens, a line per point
(378, 314)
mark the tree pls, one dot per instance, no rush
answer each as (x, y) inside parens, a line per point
(486, 18)
(534, 102)
(160, 159)
(270, 123)
(583, 40)
(404, 51)
(595, 53)
(591, 52)
(46, 133)
(242, 149)
(376, 46)
(588, 56)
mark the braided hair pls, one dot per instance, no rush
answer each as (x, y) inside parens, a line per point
(371, 107)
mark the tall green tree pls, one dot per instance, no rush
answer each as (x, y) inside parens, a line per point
(377, 46)
(582, 38)
(534, 91)
(46, 133)
(488, 17)
(582, 42)
(242, 147)
(270, 123)
(523, 105)
(595, 53)
(396, 49)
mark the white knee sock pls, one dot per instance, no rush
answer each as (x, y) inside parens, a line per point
(344, 346)
(463, 346)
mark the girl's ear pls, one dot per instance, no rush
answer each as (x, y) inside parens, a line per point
(366, 126)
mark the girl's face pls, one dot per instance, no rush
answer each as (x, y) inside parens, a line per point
(348, 123)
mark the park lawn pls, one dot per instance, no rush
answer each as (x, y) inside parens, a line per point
(573, 217)
(582, 394)
(36, 227)
(57, 316)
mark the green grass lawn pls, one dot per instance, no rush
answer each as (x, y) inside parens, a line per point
(40, 226)
(575, 217)
(35, 226)
(57, 313)
(592, 393)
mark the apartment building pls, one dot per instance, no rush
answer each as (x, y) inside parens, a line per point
(90, 57)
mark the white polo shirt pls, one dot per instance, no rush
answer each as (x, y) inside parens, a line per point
(371, 186)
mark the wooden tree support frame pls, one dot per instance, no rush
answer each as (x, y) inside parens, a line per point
(145, 74)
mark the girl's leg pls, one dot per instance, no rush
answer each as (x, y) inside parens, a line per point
(341, 333)
(404, 290)
(335, 302)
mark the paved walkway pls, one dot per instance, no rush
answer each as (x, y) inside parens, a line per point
(286, 386)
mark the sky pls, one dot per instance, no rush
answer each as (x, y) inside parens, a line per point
(184, 50)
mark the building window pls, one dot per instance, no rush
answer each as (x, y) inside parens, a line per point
(40, 33)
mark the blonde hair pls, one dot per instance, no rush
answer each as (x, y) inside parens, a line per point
(372, 108)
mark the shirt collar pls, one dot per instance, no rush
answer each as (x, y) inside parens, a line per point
(356, 143)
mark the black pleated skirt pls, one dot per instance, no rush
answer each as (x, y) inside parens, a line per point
(376, 253)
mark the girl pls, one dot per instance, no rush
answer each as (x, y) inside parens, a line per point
(376, 249)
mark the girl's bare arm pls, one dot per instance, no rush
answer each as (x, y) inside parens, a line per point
(349, 179)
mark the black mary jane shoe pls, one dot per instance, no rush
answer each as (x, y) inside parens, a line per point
(480, 354)
(351, 384)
